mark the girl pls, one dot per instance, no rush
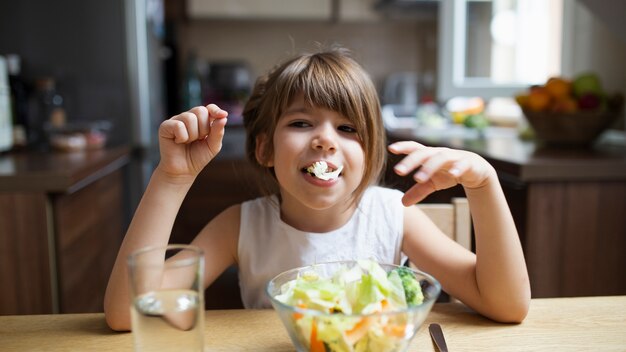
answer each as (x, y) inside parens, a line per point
(315, 131)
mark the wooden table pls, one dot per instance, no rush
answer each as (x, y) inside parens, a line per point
(553, 324)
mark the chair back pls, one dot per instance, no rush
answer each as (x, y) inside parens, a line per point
(453, 219)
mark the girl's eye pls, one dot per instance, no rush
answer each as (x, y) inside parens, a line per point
(299, 124)
(346, 128)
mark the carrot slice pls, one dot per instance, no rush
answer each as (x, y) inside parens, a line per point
(316, 345)
(297, 315)
(384, 304)
(358, 330)
(357, 327)
(395, 330)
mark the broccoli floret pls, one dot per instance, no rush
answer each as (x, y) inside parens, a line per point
(412, 288)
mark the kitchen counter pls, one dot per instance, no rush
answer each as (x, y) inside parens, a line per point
(527, 160)
(57, 171)
(61, 224)
(569, 205)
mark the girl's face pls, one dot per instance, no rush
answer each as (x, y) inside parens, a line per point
(305, 135)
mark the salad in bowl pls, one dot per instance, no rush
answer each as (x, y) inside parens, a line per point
(352, 305)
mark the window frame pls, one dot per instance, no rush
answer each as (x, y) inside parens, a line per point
(452, 21)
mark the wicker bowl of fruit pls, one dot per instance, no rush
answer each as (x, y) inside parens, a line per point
(570, 113)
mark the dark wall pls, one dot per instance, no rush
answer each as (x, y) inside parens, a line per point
(81, 43)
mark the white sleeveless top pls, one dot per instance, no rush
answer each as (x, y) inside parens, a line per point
(268, 246)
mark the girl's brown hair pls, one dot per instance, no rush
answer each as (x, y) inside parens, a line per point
(330, 80)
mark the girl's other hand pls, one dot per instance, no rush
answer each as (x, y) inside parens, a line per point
(435, 169)
(190, 140)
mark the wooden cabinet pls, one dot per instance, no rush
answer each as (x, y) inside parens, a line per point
(61, 224)
(358, 11)
(25, 272)
(320, 10)
(267, 9)
(89, 228)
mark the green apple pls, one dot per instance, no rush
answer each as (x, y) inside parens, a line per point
(477, 121)
(587, 83)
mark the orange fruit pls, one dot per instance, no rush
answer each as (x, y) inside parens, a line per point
(538, 99)
(522, 100)
(558, 87)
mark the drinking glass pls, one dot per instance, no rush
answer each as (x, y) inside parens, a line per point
(167, 300)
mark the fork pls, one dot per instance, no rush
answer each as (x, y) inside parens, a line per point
(437, 335)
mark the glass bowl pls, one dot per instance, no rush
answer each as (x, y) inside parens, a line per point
(316, 330)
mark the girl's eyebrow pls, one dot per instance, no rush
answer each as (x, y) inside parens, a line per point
(297, 110)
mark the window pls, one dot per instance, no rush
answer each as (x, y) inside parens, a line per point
(493, 48)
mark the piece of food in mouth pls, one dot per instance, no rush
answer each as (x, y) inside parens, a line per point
(320, 170)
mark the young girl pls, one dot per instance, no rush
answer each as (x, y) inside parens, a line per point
(314, 128)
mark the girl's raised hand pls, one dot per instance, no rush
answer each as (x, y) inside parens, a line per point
(190, 140)
(435, 169)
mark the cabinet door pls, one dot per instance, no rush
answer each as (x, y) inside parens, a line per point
(24, 255)
(89, 231)
(254, 9)
(358, 10)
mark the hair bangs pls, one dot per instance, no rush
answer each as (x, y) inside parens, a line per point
(324, 83)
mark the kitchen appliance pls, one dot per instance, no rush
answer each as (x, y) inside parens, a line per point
(229, 84)
(6, 125)
(117, 75)
(400, 97)
(401, 88)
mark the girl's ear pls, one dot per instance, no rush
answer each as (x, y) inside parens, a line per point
(260, 151)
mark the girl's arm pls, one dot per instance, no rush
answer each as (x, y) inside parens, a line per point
(494, 282)
(187, 143)
(501, 274)
(151, 225)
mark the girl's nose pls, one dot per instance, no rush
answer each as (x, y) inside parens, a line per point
(325, 139)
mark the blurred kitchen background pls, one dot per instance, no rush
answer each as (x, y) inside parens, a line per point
(88, 74)
(121, 67)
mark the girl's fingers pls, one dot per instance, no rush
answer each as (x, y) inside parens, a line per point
(414, 160)
(440, 161)
(417, 193)
(459, 168)
(215, 113)
(191, 123)
(214, 139)
(201, 114)
(404, 147)
(438, 168)
(216, 123)
(174, 130)
(205, 116)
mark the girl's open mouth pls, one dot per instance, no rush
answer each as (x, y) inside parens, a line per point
(321, 170)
